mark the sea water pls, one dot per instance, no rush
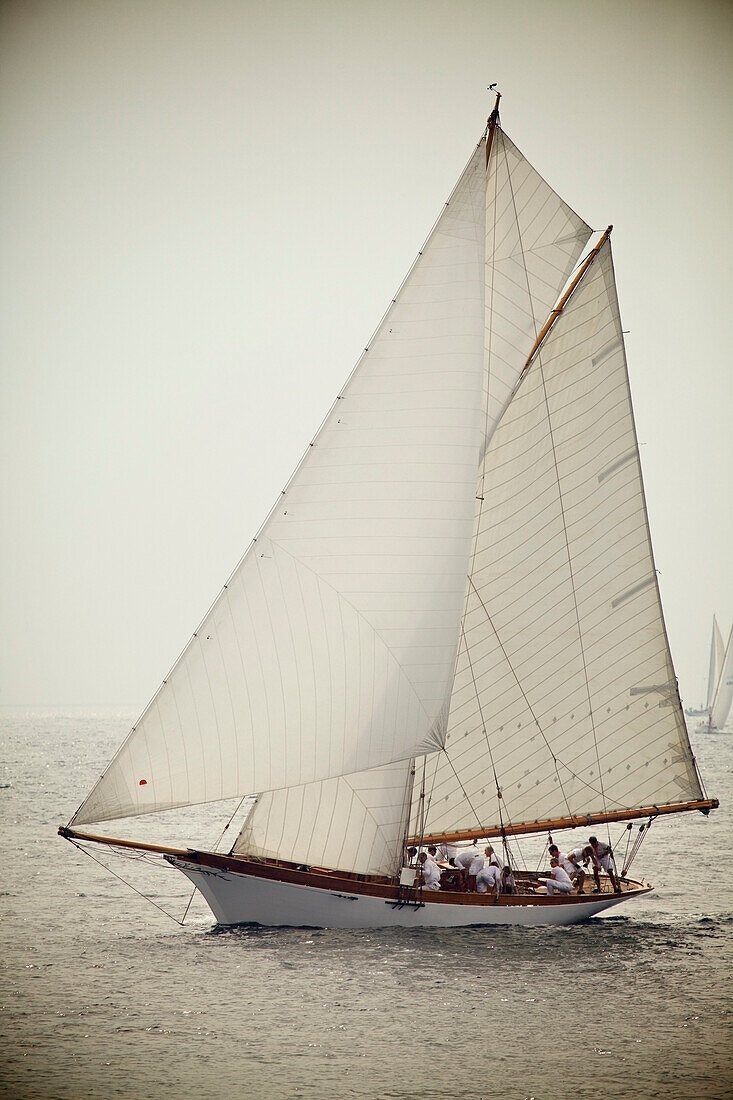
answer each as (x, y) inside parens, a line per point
(106, 996)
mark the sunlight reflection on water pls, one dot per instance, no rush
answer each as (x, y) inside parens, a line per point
(105, 996)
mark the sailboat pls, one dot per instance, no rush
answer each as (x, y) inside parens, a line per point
(720, 687)
(717, 656)
(449, 627)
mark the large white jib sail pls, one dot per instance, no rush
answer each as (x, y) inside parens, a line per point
(459, 572)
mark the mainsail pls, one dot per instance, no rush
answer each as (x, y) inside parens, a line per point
(565, 701)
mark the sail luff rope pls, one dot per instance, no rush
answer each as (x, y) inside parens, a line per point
(429, 799)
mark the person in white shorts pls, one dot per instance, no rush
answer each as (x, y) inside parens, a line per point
(602, 857)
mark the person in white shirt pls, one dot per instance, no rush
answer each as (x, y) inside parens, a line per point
(433, 854)
(602, 857)
(476, 865)
(428, 871)
(492, 857)
(560, 882)
(489, 878)
(570, 865)
(463, 861)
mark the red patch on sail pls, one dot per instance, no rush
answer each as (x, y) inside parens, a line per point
(143, 783)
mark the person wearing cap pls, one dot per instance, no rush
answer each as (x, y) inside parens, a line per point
(601, 856)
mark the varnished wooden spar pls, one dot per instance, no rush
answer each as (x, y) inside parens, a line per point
(116, 842)
(545, 330)
(704, 805)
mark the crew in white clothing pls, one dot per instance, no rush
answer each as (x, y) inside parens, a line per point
(602, 857)
(560, 882)
(492, 857)
(429, 872)
(465, 857)
(489, 878)
(570, 864)
(508, 882)
(433, 855)
(463, 862)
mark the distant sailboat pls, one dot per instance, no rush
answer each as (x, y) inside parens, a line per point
(717, 655)
(721, 696)
(449, 626)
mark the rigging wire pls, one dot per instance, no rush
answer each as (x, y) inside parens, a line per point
(134, 889)
(641, 836)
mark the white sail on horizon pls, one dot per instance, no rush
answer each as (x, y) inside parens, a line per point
(717, 657)
(723, 698)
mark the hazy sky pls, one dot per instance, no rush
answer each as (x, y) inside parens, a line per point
(206, 207)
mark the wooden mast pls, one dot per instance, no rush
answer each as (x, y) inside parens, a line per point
(491, 127)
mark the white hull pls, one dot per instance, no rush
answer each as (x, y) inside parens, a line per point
(243, 899)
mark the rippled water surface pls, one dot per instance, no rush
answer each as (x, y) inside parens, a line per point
(105, 996)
